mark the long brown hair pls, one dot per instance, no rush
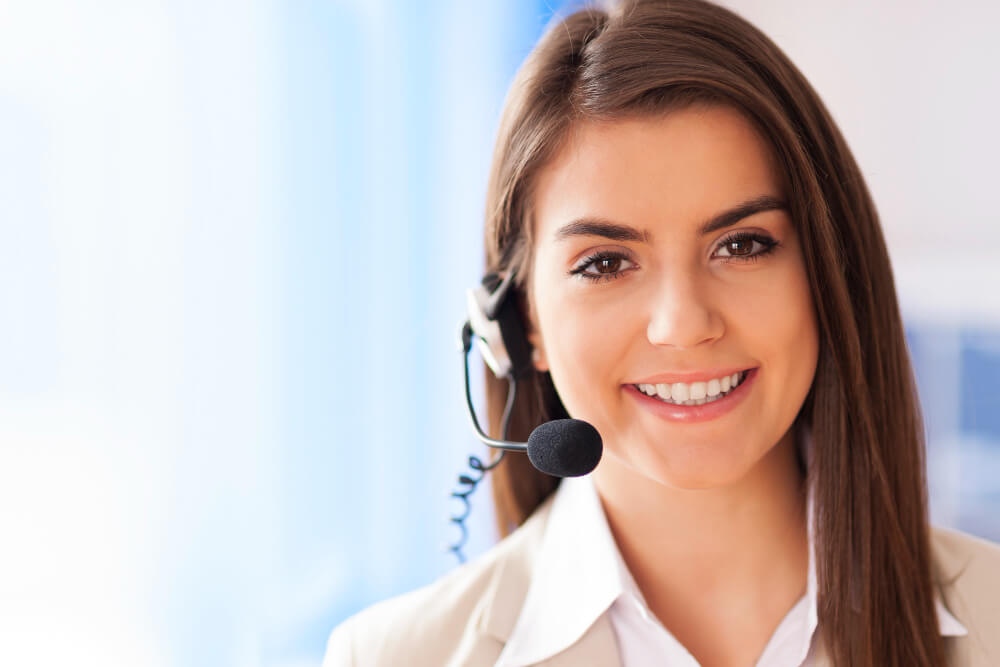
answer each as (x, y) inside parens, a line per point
(876, 604)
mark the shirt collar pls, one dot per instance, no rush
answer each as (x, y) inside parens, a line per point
(579, 574)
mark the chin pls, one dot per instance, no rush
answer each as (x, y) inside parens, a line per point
(698, 480)
(691, 474)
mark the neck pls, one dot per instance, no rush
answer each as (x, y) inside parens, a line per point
(711, 550)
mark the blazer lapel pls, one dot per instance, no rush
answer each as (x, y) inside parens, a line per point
(949, 565)
(505, 597)
(507, 591)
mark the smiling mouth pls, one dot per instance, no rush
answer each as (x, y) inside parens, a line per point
(694, 393)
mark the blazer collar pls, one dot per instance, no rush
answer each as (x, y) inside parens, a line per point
(577, 576)
(949, 564)
(504, 598)
(516, 575)
(510, 586)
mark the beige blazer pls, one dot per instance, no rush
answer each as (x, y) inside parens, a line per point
(466, 617)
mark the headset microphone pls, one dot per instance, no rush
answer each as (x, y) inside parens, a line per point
(565, 447)
(561, 447)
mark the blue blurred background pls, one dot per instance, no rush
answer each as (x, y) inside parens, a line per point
(234, 239)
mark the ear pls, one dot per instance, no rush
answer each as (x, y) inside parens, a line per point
(538, 357)
(529, 320)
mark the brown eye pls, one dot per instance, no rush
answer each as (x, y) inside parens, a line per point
(608, 265)
(745, 247)
(740, 247)
(603, 266)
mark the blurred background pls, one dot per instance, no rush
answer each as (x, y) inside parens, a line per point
(234, 239)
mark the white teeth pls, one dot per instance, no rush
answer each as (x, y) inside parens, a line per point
(679, 392)
(696, 393)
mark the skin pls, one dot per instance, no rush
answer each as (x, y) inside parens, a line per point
(709, 516)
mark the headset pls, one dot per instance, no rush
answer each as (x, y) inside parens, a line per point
(561, 447)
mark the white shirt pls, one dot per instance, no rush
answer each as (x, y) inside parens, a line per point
(580, 575)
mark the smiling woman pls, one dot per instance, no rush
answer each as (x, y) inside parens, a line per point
(682, 301)
(702, 277)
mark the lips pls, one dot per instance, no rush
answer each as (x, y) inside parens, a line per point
(705, 411)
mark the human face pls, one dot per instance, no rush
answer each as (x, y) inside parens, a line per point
(665, 301)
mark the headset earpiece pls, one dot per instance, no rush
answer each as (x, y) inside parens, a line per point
(498, 328)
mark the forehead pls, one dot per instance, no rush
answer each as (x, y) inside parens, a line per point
(676, 169)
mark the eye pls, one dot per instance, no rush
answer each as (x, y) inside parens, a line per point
(746, 246)
(603, 266)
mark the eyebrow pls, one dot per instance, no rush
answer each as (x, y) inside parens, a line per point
(619, 232)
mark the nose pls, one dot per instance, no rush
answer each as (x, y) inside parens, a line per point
(682, 314)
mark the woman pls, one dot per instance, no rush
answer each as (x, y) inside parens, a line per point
(703, 278)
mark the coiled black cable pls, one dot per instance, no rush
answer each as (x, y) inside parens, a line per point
(469, 481)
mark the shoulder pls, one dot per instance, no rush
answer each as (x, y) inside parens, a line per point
(455, 620)
(967, 570)
(963, 557)
(962, 550)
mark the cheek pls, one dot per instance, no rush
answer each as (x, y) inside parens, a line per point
(797, 325)
(775, 322)
(584, 344)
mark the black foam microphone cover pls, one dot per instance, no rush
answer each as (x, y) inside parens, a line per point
(565, 447)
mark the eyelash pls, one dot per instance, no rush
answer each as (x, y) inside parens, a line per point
(769, 246)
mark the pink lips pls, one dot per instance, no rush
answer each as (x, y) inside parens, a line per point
(688, 414)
